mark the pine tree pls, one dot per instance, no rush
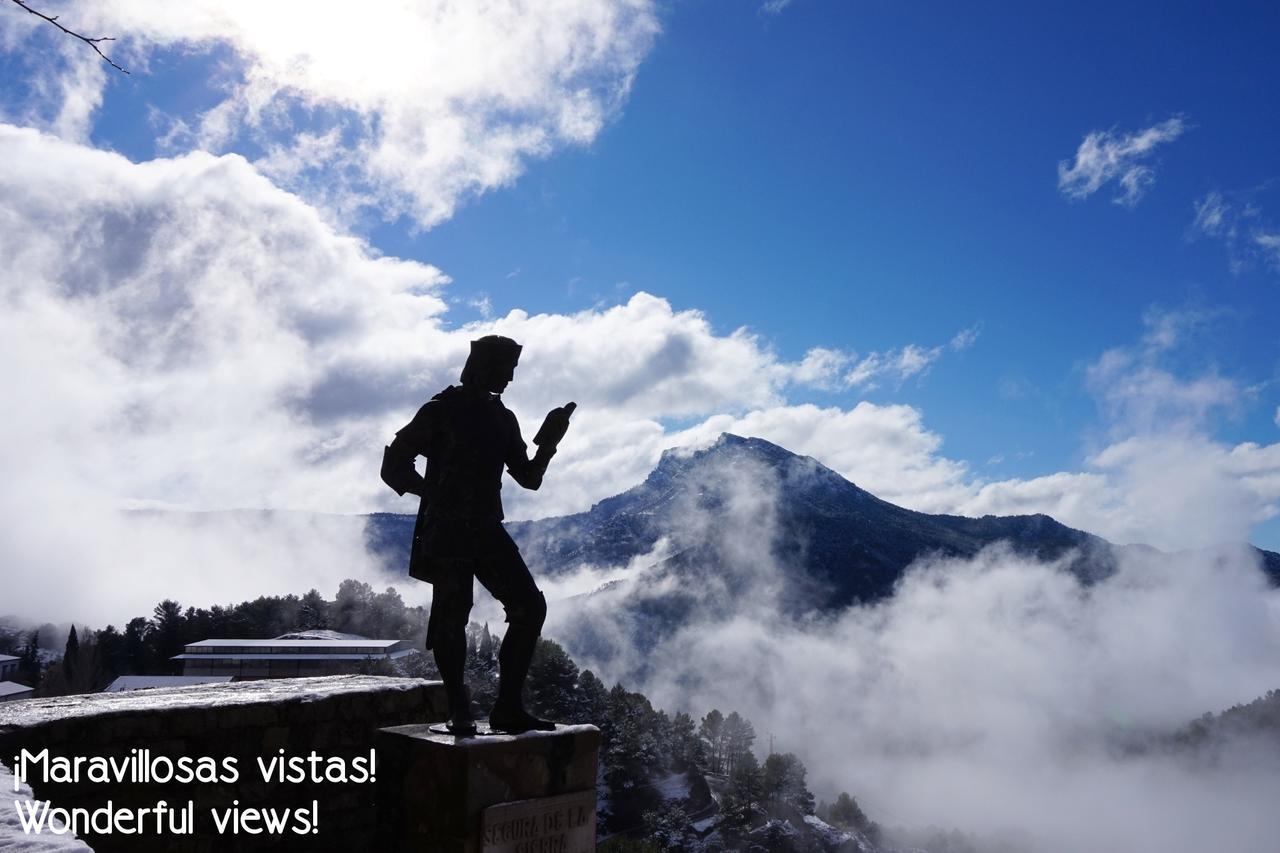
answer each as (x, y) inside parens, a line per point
(481, 674)
(711, 731)
(110, 652)
(746, 786)
(486, 646)
(29, 660)
(221, 622)
(629, 747)
(136, 650)
(737, 735)
(685, 747)
(168, 632)
(783, 778)
(593, 699)
(70, 653)
(669, 828)
(386, 615)
(79, 671)
(846, 813)
(350, 607)
(314, 611)
(553, 679)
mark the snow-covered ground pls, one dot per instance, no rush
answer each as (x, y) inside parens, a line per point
(672, 786)
(11, 835)
(30, 712)
(706, 823)
(319, 634)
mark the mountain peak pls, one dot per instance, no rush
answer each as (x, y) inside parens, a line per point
(726, 444)
(831, 535)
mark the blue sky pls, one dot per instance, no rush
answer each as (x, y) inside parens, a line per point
(866, 181)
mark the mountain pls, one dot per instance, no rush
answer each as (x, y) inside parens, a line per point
(745, 499)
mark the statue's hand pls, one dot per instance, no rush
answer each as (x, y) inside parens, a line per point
(554, 426)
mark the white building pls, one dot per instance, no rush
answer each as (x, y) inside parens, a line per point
(289, 656)
(8, 667)
(10, 690)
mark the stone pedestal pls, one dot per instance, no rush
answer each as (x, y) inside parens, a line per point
(533, 792)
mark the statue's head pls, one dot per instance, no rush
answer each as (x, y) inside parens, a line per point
(491, 364)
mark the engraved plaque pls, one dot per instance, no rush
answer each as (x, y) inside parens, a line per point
(563, 824)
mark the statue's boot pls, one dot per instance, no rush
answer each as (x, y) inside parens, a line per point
(514, 657)
(461, 723)
(517, 720)
(451, 656)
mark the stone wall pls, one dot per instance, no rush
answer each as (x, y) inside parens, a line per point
(335, 716)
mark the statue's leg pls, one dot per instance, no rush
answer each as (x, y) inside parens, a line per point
(516, 654)
(447, 639)
(507, 577)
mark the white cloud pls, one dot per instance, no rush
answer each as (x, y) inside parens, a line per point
(892, 365)
(411, 108)
(1170, 492)
(1164, 329)
(483, 304)
(838, 370)
(965, 338)
(1141, 395)
(1269, 244)
(1107, 155)
(1239, 223)
(661, 363)
(775, 7)
(180, 333)
(1213, 215)
(822, 368)
(1152, 399)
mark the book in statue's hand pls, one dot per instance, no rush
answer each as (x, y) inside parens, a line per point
(555, 425)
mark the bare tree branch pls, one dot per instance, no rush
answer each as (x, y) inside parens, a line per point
(92, 42)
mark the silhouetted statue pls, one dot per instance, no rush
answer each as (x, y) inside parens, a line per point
(467, 437)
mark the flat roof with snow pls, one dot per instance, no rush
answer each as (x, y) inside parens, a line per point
(231, 656)
(12, 688)
(311, 644)
(286, 646)
(7, 658)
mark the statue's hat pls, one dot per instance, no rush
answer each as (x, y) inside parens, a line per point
(491, 350)
(495, 349)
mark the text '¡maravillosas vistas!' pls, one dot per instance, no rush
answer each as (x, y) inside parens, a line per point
(141, 766)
